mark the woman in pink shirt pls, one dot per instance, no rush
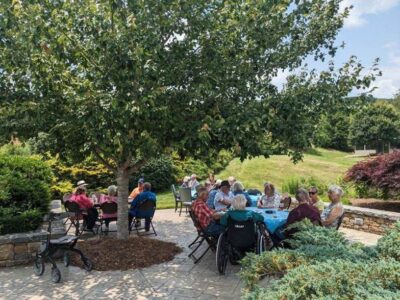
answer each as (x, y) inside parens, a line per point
(110, 198)
(86, 204)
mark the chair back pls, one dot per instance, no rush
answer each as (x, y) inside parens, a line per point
(340, 221)
(146, 209)
(185, 194)
(109, 207)
(72, 207)
(241, 234)
(286, 203)
(174, 192)
(67, 197)
(254, 192)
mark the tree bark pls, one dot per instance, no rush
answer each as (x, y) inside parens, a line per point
(123, 193)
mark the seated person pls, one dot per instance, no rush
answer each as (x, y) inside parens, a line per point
(147, 194)
(212, 193)
(238, 189)
(270, 199)
(86, 204)
(185, 183)
(303, 210)
(239, 212)
(224, 196)
(206, 216)
(331, 215)
(111, 197)
(314, 199)
(137, 190)
(193, 183)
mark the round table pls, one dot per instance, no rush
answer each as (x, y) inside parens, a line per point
(273, 218)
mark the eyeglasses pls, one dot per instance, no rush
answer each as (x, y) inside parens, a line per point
(312, 193)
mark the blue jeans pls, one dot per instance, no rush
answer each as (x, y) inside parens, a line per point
(214, 228)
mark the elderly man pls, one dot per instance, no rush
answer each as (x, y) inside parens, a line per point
(315, 200)
(136, 191)
(212, 193)
(206, 216)
(146, 195)
(224, 197)
(331, 215)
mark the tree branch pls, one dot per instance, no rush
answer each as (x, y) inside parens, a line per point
(104, 161)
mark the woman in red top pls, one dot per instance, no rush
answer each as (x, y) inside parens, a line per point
(86, 204)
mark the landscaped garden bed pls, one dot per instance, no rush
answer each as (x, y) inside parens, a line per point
(110, 253)
(386, 205)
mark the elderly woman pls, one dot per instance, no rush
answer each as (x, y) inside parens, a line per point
(270, 199)
(331, 215)
(238, 189)
(86, 204)
(239, 212)
(111, 197)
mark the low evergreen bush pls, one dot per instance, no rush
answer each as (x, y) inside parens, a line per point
(25, 195)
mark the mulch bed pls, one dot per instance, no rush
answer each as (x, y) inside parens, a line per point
(387, 205)
(109, 253)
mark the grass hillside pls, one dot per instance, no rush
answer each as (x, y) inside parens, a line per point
(325, 165)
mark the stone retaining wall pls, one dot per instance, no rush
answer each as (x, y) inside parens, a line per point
(369, 220)
(21, 248)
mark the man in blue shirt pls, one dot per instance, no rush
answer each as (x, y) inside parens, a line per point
(212, 193)
(146, 195)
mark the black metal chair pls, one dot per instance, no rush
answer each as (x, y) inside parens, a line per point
(254, 192)
(76, 216)
(286, 203)
(108, 208)
(145, 210)
(202, 236)
(340, 221)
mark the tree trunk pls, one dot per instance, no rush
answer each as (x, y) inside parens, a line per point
(123, 193)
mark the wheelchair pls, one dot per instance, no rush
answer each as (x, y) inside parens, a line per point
(50, 246)
(238, 238)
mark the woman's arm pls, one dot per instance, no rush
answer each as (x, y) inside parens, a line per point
(336, 212)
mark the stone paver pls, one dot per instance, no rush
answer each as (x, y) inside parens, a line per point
(177, 279)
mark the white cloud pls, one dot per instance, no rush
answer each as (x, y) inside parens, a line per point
(361, 8)
(389, 83)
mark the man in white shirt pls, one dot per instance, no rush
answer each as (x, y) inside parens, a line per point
(224, 197)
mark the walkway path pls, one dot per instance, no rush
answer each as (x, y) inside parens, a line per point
(177, 279)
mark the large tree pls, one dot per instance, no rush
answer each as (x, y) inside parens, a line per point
(376, 125)
(127, 80)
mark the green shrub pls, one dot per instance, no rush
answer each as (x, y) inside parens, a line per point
(25, 221)
(25, 195)
(293, 184)
(389, 245)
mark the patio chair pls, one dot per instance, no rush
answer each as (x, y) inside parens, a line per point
(286, 203)
(146, 211)
(202, 236)
(254, 192)
(75, 216)
(108, 208)
(176, 197)
(185, 196)
(340, 221)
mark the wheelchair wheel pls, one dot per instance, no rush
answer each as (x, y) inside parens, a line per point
(55, 275)
(38, 266)
(66, 259)
(222, 254)
(88, 264)
(264, 243)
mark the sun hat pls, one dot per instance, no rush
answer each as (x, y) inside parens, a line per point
(81, 183)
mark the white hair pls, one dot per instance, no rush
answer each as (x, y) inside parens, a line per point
(335, 189)
(239, 202)
(112, 190)
(237, 187)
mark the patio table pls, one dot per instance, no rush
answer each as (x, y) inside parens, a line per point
(254, 199)
(273, 218)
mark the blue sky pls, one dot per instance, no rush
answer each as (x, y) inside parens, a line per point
(372, 30)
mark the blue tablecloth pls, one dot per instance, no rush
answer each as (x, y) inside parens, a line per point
(274, 220)
(254, 199)
(194, 194)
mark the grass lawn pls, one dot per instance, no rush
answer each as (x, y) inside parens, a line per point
(325, 165)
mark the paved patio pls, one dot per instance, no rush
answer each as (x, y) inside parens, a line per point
(177, 279)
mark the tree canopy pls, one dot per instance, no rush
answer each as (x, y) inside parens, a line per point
(128, 80)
